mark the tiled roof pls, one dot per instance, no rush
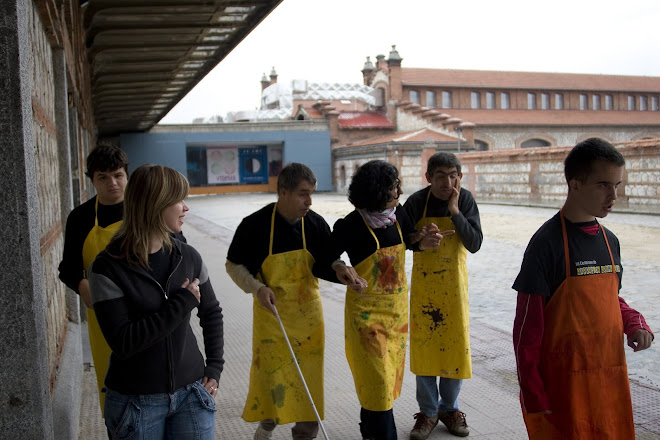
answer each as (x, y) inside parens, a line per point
(367, 119)
(528, 80)
(557, 117)
(417, 136)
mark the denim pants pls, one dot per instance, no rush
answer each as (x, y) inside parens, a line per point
(428, 389)
(186, 414)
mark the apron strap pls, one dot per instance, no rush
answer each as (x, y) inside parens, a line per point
(372, 232)
(272, 231)
(426, 204)
(96, 211)
(565, 235)
(398, 227)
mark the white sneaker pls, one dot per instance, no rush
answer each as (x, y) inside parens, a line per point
(262, 434)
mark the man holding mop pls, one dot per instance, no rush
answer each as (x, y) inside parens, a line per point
(275, 255)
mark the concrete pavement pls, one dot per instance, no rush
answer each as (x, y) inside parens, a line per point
(490, 398)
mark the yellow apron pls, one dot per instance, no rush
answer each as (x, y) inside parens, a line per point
(276, 391)
(439, 307)
(376, 326)
(96, 241)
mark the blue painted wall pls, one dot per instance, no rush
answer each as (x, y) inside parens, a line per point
(169, 149)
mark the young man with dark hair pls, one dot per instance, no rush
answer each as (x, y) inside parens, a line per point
(89, 228)
(277, 254)
(570, 318)
(439, 308)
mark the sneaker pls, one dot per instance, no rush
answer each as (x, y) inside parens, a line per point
(423, 426)
(455, 422)
(262, 434)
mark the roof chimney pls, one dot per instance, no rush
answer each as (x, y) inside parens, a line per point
(273, 76)
(366, 71)
(395, 58)
(264, 82)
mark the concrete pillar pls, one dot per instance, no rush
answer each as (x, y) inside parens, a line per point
(25, 408)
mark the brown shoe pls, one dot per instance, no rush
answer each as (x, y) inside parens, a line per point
(455, 422)
(423, 426)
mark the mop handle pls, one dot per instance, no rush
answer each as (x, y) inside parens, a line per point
(295, 361)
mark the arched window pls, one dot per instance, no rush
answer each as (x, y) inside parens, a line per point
(533, 143)
(380, 97)
(481, 145)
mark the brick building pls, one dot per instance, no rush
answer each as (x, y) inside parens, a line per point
(517, 109)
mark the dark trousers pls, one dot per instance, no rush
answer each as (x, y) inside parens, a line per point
(377, 425)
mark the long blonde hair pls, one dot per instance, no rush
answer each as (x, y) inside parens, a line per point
(150, 189)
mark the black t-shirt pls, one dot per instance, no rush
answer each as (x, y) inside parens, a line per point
(467, 223)
(544, 268)
(351, 235)
(78, 225)
(249, 246)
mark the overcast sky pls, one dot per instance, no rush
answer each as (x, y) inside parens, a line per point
(329, 40)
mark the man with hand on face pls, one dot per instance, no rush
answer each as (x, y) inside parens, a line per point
(439, 308)
(275, 255)
(89, 228)
(567, 333)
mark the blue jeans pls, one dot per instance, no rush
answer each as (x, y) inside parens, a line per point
(187, 413)
(428, 389)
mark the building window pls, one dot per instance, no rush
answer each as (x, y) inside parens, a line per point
(643, 103)
(595, 102)
(533, 143)
(609, 102)
(583, 102)
(505, 102)
(631, 102)
(476, 99)
(380, 97)
(531, 101)
(480, 145)
(430, 99)
(414, 96)
(559, 101)
(490, 100)
(446, 100)
(654, 103)
(545, 101)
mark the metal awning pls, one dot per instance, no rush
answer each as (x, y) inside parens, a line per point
(145, 56)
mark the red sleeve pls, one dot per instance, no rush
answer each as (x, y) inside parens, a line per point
(632, 319)
(527, 337)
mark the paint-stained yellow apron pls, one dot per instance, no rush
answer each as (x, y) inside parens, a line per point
(276, 391)
(376, 326)
(439, 307)
(97, 239)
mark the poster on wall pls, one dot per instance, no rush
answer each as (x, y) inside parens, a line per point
(254, 165)
(274, 161)
(222, 165)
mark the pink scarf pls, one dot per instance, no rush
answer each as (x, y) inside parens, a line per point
(380, 219)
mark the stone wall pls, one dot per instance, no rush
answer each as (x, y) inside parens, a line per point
(526, 176)
(47, 171)
(509, 137)
(536, 176)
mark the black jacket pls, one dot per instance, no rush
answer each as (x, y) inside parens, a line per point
(148, 328)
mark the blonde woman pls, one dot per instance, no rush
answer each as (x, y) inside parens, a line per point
(144, 287)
